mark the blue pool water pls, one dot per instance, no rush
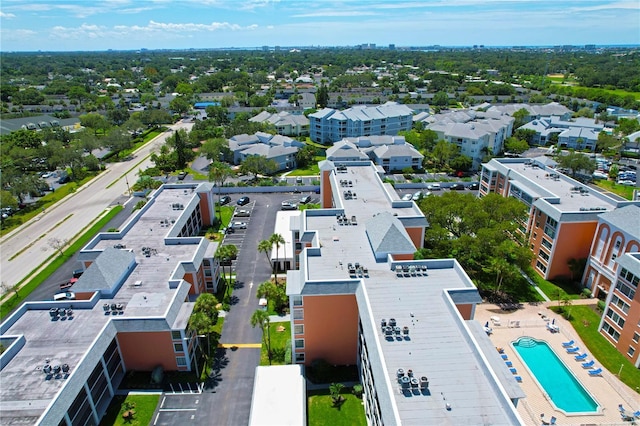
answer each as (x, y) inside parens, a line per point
(565, 391)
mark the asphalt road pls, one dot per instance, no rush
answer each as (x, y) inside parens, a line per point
(226, 398)
(27, 247)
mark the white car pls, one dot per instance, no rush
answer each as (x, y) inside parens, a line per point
(417, 196)
(288, 205)
(67, 295)
(434, 187)
(238, 225)
(242, 213)
(406, 197)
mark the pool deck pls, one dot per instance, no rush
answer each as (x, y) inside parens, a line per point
(608, 391)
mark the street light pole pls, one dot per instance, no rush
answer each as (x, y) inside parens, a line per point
(128, 188)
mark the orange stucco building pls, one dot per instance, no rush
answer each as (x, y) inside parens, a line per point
(131, 312)
(563, 213)
(358, 297)
(613, 274)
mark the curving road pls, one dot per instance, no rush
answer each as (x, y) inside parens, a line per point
(23, 250)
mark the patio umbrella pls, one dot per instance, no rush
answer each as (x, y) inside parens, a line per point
(486, 324)
(553, 321)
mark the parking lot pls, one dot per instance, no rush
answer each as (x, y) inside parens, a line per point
(177, 409)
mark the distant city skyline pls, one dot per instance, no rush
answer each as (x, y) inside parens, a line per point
(85, 25)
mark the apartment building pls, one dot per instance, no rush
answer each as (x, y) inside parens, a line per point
(358, 297)
(563, 213)
(391, 152)
(286, 124)
(330, 125)
(579, 134)
(475, 132)
(281, 149)
(64, 360)
(613, 273)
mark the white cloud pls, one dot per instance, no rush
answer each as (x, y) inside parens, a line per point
(334, 13)
(6, 15)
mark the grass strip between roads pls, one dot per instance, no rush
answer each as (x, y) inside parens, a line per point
(58, 260)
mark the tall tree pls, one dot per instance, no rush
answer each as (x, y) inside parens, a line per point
(218, 173)
(576, 162)
(278, 240)
(261, 318)
(258, 165)
(265, 246)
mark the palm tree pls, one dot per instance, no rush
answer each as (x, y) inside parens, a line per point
(265, 246)
(225, 254)
(218, 173)
(261, 318)
(277, 239)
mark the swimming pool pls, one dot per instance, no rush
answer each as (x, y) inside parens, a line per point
(565, 391)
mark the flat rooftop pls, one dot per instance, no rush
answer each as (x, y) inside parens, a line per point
(440, 345)
(24, 391)
(555, 190)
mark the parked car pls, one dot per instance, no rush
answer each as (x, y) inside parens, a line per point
(474, 186)
(406, 197)
(434, 187)
(64, 179)
(182, 175)
(224, 200)
(457, 187)
(242, 213)
(238, 225)
(305, 200)
(228, 230)
(288, 205)
(298, 180)
(417, 196)
(77, 273)
(243, 201)
(67, 295)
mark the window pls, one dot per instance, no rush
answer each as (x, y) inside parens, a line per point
(626, 289)
(299, 357)
(636, 337)
(177, 347)
(297, 300)
(299, 343)
(546, 243)
(543, 255)
(541, 267)
(176, 335)
(616, 301)
(615, 317)
(535, 235)
(631, 351)
(608, 328)
(298, 329)
(298, 314)
(181, 361)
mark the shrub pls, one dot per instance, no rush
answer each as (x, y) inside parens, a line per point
(140, 204)
(601, 305)
(586, 293)
(357, 390)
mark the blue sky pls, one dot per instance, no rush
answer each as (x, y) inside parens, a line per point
(64, 25)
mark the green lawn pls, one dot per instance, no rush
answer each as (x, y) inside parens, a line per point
(311, 170)
(585, 320)
(321, 412)
(622, 190)
(555, 291)
(143, 406)
(279, 340)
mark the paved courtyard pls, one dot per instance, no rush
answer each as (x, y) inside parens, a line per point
(530, 321)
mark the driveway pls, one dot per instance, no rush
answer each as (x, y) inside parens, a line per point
(226, 399)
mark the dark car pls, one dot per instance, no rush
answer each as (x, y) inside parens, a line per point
(474, 186)
(457, 187)
(224, 200)
(242, 201)
(305, 200)
(64, 179)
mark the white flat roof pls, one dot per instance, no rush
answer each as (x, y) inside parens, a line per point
(279, 396)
